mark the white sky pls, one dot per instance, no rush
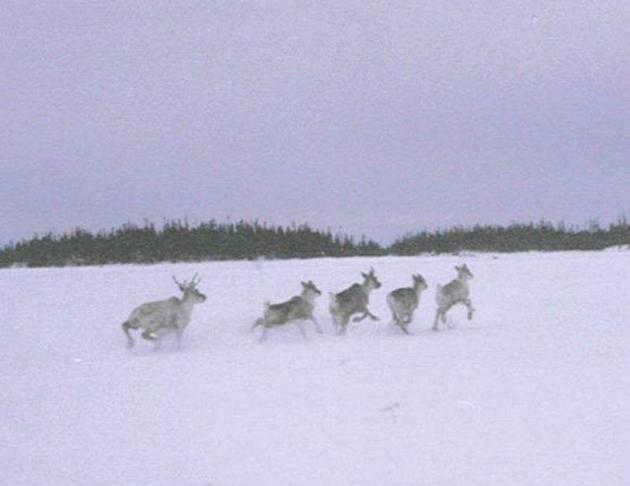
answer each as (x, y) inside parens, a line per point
(370, 117)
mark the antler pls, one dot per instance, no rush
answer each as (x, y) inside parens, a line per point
(188, 285)
(179, 284)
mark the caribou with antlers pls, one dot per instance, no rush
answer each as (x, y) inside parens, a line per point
(162, 317)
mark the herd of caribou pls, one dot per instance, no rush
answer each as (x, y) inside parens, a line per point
(171, 316)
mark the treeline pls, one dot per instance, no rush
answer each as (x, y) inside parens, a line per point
(542, 236)
(180, 241)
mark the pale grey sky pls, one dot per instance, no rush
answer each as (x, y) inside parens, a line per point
(372, 117)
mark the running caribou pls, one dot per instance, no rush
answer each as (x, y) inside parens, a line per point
(162, 317)
(353, 300)
(455, 292)
(297, 308)
(404, 301)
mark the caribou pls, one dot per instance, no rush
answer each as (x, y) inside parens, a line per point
(404, 301)
(162, 317)
(297, 308)
(353, 300)
(455, 292)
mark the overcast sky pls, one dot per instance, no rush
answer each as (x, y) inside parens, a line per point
(370, 117)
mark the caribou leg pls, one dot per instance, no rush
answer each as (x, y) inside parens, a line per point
(438, 313)
(259, 322)
(342, 325)
(366, 313)
(149, 336)
(317, 327)
(263, 336)
(471, 310)
(125, 327)
(301, 328)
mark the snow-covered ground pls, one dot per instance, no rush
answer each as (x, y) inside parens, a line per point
(534, 391)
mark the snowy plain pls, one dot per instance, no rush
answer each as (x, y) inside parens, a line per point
(535, 390)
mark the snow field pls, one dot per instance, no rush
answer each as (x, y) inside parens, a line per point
(534, 390)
